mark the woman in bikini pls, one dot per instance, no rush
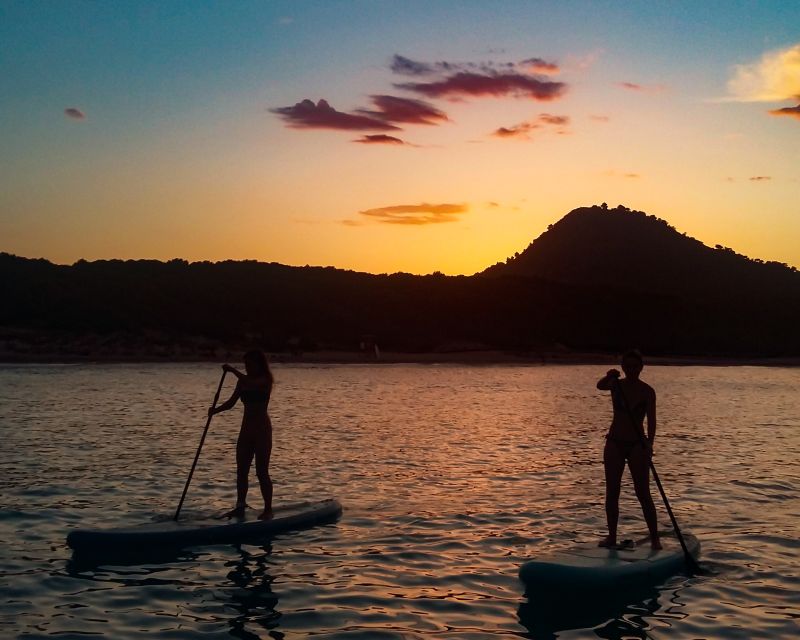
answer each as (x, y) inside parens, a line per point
(632, 400)
(255, 437)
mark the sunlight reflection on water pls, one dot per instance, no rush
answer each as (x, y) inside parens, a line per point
(451, 477)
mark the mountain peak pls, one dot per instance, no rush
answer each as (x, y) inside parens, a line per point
(598, 245)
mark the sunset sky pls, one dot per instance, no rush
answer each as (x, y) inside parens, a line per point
(382, 137)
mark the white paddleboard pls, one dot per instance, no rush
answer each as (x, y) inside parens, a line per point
(588, 566)
(207, 530)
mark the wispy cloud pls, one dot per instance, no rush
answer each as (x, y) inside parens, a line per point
(641, 88)
(74, 113)
(600, 118)
(558, 121)
(404, 66)
(612, 173)
(520, 130)
(307, 115)
(585, 61)
(792, 112)
(523, 129)
(538, 65)
(775, 77)
(416, 214)
(407, 110)
(380, 138)
(760, 178)
(514, 85)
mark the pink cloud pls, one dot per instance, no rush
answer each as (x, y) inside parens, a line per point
(307, 115)
(497, 85)
(408, 110)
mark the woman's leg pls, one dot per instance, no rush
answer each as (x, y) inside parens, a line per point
(263, 452)
(614, 463)
(639, 465)
(244, 458)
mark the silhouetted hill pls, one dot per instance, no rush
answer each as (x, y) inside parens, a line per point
(624, 248)
(596, 280)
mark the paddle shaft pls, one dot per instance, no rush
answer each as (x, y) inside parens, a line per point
(200, 447)
(690, 561)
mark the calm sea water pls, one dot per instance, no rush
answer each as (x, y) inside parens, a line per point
(450, 476)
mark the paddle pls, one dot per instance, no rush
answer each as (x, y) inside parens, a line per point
(691, 563)
(202, 440)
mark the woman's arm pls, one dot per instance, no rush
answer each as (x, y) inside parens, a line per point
(607, 381)
(231, 369)
(247, 381)
(651, 417)
(228, 404)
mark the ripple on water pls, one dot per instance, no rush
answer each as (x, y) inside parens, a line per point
(451, 477)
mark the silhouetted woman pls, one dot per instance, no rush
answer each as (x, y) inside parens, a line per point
(255, 438)
(633, 400)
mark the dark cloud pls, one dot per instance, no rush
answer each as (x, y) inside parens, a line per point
(537, 65)
(416, 214)
(499, 84)
(792, 112)
(307, 115)
(760, 178)
(395, 109)
(402, 65)
(74, 114)
(379, 138)
(408, 67)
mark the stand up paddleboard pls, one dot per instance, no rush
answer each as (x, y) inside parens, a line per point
(590, 567)
(207, 530)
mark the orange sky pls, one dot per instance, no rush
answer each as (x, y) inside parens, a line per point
(199, 145)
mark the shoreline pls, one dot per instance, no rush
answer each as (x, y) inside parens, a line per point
(332, 357)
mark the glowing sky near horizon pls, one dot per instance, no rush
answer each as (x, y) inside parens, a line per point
(451, 133)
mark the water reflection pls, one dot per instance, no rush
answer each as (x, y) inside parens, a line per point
(251, 594)
(611, 615)
(85, 565)
(614, 615)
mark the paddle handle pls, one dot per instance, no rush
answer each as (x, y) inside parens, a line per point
(200, 447)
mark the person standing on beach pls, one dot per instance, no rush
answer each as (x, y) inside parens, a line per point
(255, 437)
(632, 400)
